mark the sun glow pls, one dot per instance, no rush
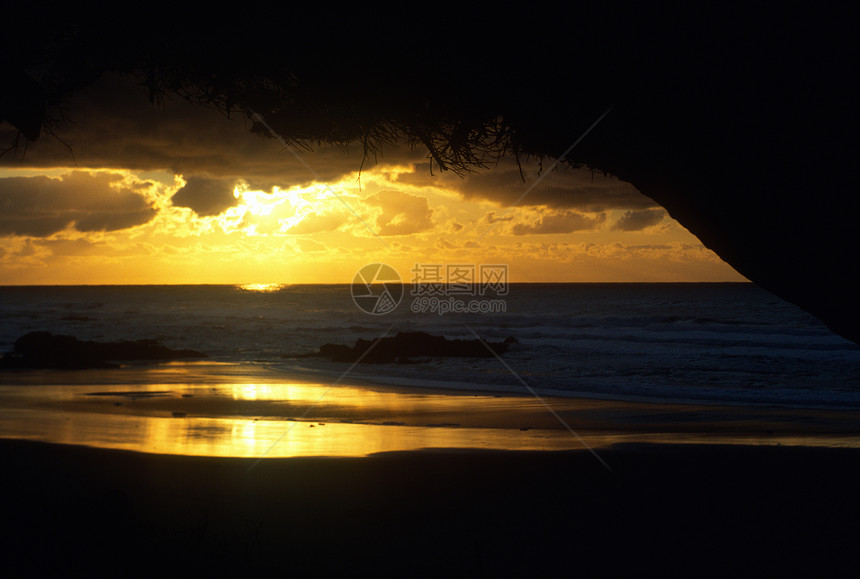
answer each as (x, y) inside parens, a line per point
(261, 287)
(319, 232)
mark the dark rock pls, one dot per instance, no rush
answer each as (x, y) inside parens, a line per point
(41, 350)
(406, 345)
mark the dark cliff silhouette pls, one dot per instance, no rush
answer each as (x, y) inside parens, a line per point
(741, 123)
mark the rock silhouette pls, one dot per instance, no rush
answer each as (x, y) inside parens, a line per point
(44, 350)
(405, 346)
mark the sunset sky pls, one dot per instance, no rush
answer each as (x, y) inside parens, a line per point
(181, 194)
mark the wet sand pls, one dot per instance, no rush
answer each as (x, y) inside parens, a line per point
(682, 510)
(221, 410)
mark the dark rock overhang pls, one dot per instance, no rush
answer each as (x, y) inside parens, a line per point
(742, 124)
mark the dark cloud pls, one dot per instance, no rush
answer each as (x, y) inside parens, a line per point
(493, 218)
(402, 214)
(206, 196)
(421, 176)
(113, 125)
(32, 226)
(561, 222)
(71, 247)
(638, 220)
(41, 206)
(563, 187)
(105, 221)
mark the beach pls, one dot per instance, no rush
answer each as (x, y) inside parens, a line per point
(663, 510)
(282, 303)
(237, 410)
(633, 431)
(465, 484)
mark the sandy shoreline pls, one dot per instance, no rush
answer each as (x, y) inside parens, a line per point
(158, 472)
(663, 511)
(380, 480)
(225, 410)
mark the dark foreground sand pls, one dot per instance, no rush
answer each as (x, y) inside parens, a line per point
(664, 511)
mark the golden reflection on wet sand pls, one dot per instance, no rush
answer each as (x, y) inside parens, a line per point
(242, 437)
(311, 420)
(262, 416)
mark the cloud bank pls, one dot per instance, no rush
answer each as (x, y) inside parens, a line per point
(206, 196)
(42, 206)
(639, 220)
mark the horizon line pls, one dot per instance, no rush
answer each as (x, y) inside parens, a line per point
(285, 284)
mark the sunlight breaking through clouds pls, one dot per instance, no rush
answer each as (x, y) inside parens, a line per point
(93, 225)
(181, 194)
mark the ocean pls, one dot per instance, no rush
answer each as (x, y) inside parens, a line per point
(728, 344)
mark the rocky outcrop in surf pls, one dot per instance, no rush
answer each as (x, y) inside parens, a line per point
(405, 347)
(44, 350)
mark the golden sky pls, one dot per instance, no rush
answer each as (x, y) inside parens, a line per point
(184, 195)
